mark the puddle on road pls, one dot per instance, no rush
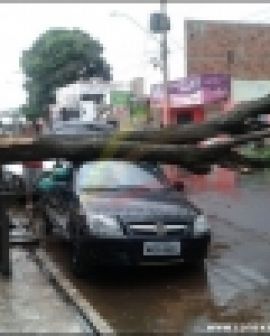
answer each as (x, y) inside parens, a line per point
(160, 299)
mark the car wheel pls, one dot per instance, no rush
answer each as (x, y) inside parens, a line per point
(78, 265)
(48, 228)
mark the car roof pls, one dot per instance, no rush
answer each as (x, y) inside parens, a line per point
(74, 123)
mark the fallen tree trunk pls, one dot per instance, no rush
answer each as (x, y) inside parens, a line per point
(242, 139)
(169, 145)
(83, 149)
(235, 122)
(240, 120)
(89, 149)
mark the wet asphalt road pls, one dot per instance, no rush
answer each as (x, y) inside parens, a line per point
(29, 303)
(233, 288)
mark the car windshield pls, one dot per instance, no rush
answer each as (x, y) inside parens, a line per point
(118, 175)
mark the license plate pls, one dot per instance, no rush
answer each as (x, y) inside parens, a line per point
(161, 248)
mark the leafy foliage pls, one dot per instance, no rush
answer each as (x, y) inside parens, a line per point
(255, 152)
(59, 57)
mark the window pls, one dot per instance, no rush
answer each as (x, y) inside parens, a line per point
(230, 57)
(68, 114)
(184, 118)
(117, 175)
(97, 98)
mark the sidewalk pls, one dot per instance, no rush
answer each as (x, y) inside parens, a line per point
(29, 303)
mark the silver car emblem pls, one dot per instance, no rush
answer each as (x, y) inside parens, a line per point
(161, 230)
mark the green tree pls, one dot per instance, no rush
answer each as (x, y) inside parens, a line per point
(58, 57)
(29, 111)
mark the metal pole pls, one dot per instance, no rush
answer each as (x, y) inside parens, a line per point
(164, 58)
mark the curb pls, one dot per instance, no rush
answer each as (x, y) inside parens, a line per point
(85, 309)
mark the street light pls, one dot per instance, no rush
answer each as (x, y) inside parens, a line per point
(157, 63)
(164, 57)
(117, 13)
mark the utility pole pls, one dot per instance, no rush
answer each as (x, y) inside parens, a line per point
(164, 59)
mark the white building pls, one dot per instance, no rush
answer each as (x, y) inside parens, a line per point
(247, 90)
(81, 100)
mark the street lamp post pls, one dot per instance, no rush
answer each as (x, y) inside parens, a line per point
(160, 24)
(156, 62)
(161, 28)
(164, 58)
(117, 13)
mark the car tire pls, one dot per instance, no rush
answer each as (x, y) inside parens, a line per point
(196, 264)
(48, 228)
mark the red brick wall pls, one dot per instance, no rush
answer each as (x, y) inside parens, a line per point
(208, 43)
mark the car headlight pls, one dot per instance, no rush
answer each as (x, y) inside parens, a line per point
(200, 225)
(104, 225)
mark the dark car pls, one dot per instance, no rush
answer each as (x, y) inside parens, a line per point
(116, 212)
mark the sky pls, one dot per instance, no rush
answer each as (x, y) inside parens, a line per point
(128, 45)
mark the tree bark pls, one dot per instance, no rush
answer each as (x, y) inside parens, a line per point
(235, 122)
(176, 145)
(83, 149)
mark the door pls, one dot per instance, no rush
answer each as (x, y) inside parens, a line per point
(184, 117)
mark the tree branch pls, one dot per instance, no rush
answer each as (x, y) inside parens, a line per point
(235, 122)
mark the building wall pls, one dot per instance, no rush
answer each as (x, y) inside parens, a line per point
(137, 86)
(239, 49)
(249, 90)
(70, 96)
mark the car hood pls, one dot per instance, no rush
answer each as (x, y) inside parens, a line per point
(146, 206)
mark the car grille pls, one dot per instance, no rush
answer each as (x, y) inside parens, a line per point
(157, 228)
